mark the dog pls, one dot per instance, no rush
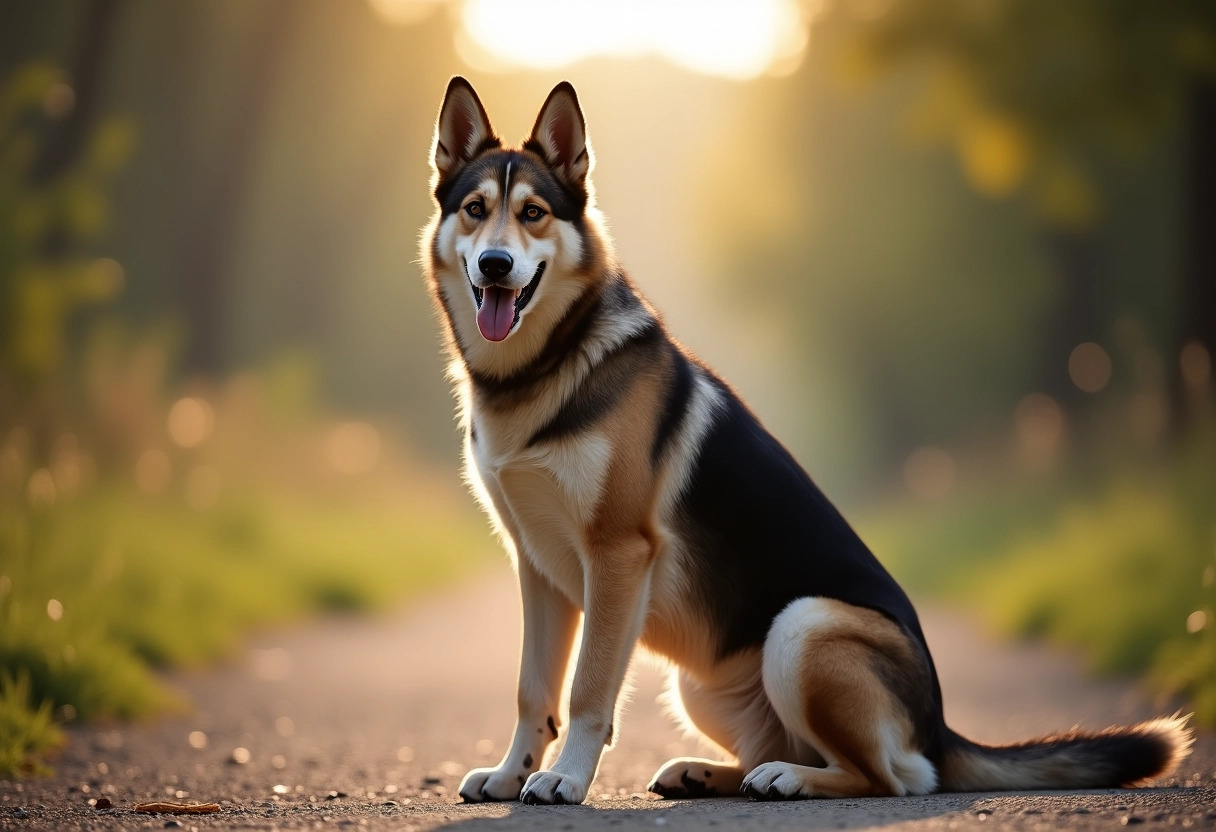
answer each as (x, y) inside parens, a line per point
(630, 484)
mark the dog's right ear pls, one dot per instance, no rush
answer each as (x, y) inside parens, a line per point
(463, 129)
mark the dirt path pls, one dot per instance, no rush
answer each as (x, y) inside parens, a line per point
(370, 724)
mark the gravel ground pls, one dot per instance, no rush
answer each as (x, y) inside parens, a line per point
(370, 723)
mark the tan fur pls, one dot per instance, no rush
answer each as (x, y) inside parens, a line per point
(847, 705)
(589, 519)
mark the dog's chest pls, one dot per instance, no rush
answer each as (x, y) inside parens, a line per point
(546, 494)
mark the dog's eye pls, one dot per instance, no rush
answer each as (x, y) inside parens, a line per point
(533, 212)
(476, 208)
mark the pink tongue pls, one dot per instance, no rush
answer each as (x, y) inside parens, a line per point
(497, 313)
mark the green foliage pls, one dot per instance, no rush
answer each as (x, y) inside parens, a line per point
(98, 591)
(40, 290)
(1117, 576)
(27, 728)
(1127, 576)
(939, 550)
(1034, 95)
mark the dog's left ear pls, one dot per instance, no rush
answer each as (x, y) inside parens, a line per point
(560, 136)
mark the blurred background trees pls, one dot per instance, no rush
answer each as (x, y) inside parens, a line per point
(960, 256)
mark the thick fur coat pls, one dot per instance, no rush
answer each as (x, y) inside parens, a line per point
(632, 486)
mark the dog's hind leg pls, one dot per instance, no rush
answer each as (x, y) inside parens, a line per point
(845, 680)
(731, 710)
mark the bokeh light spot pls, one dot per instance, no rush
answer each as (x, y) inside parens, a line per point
(54, 610)
(60, 99)
(41, 489)
(995, 153)
(1196, 621)
(197, 739)
(1089, 367)
(1195, 362)
(929, 472)
(190, 422)
(1039, 425)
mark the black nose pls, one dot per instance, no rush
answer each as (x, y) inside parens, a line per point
(495, 263)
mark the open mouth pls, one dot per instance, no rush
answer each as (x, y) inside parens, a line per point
(498, 308)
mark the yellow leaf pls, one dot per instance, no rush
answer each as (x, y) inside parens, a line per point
(995, 152)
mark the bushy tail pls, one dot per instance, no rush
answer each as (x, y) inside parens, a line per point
(1118, 756)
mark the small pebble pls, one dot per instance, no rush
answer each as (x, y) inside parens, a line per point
(1128, 820)
(103, 803)
(173, 824)
(431, 781)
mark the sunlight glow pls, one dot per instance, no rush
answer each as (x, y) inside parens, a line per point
(405, 12)
(736, 39)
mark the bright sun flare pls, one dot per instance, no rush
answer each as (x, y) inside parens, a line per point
(736, 39)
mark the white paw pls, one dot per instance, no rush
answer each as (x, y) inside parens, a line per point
(775, 781)
(551, 788)
(692, 777)
(482, 784)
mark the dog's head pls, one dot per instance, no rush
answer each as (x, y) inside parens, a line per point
(510, 237)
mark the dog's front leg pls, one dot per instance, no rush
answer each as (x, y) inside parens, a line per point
(616, 586)
(549, 624)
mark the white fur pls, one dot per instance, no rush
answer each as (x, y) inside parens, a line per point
(908, 772)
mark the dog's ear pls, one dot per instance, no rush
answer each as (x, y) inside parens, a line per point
(560, 136)
(463, 129)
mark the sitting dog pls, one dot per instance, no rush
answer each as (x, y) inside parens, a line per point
(629, 483)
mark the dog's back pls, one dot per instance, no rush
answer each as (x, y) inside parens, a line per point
(631, 484)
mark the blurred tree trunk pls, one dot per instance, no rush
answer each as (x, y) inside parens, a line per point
(66, 137)
(1198, 291)
(1075, 317)
(212, 230)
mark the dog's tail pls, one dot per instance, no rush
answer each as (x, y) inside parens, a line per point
(1119, 756)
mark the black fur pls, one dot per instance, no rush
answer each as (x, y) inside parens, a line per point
(601, 390)
(675, 406)
(765, 535)
(1108, 759)
(563, 342)
(491, 162)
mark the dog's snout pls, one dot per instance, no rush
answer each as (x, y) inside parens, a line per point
(495, 263)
